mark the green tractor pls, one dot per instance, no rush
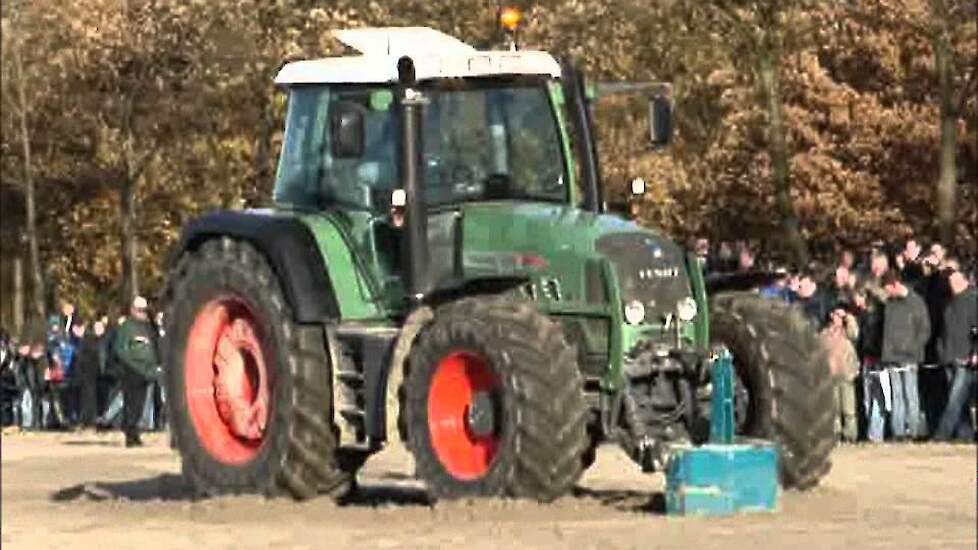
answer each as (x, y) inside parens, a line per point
(439, 267)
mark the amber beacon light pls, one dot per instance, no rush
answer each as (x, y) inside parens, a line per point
(510, 18)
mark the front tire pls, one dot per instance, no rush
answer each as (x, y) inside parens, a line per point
(495, 403)
(782, 363)
(249, 389)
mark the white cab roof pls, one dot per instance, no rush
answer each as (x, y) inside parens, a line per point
(435, 55)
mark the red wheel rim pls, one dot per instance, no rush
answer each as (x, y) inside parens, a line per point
(458, 379)
(227, 381)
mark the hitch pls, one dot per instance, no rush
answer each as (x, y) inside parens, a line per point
(722, 421)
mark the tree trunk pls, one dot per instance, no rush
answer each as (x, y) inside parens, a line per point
(128, 187)
(127, 215)
(37, 311)
(130, 273)
(770, 81)
(18, 305)
(947, 181)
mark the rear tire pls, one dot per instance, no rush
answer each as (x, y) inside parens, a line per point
(508, 351)
(295, 452)
(780, 359)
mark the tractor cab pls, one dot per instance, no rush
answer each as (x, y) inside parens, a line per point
(489, 150)
(491, 128)
(484, 139)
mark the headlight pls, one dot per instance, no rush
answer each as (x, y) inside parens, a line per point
(634, 312)
(686, 309)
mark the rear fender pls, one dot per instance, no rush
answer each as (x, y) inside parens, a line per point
(289, 247)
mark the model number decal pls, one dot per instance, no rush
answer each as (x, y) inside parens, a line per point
(658, 273)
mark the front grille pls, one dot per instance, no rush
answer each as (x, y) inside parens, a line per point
(649, 269)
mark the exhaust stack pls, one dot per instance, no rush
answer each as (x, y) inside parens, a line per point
(415, 241)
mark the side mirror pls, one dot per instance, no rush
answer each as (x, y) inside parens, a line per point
(660, 120)
(346, 129)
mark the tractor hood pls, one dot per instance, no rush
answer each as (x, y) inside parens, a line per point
(546, 229)
(565, 245)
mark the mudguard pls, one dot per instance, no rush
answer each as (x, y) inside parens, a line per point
(287, 244)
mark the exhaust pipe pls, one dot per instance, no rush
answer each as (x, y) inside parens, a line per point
(415, 242)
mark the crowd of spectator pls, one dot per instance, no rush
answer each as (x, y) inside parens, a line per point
(900, 326)
(79, 373)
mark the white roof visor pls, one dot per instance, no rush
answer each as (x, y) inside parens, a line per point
(435, 55)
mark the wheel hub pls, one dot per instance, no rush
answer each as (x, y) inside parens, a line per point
(235, 383)
(463, 415)
(481, 417)
(227, 380)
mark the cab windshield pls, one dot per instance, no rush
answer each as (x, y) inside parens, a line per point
(481, 141)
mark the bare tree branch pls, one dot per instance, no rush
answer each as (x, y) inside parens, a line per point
(9, 102)
(141, 164)
(9, 74)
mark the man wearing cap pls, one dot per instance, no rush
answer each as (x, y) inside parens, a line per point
(135, 351)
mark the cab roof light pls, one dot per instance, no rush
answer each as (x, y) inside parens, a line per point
(510, 18)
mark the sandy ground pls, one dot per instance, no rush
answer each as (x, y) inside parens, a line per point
(71, 491)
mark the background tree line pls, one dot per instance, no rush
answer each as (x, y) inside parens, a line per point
(803, 124)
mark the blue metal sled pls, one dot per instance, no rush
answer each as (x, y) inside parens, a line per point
(722, 477)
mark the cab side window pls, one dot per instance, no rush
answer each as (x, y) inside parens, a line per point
(362, 182)
(296, 181)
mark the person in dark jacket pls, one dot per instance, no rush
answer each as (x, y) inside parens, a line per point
(55, 339)
(33, 362)
(72, 388)
(86, 371)
(936, 293)
(110, 396)
(872, 279)
(135, 350)
(959, 351)
(8, 379)
(812, 300)
(912, 269)
(60, 355)
(906, 329)
(869, 347)
(842, 284)
(778, 289)
(18, 359)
